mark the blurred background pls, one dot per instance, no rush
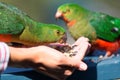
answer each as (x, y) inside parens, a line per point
(44, 10)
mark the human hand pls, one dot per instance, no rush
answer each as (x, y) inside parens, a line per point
(60, 67)
(51, 61)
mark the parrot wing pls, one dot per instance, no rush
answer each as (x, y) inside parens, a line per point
(11, 19)
(107, 27)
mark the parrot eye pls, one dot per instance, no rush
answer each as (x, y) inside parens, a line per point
(67, 11)
(115, 29)
(58, 32)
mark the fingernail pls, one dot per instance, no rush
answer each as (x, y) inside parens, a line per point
(83, 67)
(68, 72)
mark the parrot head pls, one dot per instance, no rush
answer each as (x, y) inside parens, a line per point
(69, 12)
(55, 33)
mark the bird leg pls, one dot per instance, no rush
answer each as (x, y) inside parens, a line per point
(108, 55)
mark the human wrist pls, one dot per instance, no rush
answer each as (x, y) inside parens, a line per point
(37, 55)
(19, 57)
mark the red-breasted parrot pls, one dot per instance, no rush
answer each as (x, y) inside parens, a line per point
(16, 26)
(102, 29)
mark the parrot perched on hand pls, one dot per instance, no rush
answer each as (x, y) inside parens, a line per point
(102, 29)
(17, 27)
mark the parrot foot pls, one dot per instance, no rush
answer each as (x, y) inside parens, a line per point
(101, 58)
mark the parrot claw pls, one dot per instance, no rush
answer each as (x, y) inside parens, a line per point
(101, 58)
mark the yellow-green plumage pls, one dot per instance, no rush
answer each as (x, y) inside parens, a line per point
(102, 29)
(88, 23)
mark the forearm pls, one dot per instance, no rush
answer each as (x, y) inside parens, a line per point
(21, 57)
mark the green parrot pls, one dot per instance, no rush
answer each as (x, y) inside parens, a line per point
(102, 29)
(17, 27)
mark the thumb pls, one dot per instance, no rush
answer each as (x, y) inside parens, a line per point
(79, 65)
(76, 61)
(82, 66)
(72, 65)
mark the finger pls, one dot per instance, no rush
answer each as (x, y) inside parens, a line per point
(82, 66)
(81, 39)
(79, 65)
(81, 51)
(79, 43)
(75, 60)
(69, 71)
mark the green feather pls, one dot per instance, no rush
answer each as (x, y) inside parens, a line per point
(24, 29)
(11, 19)
(90, 24)
(107, 27)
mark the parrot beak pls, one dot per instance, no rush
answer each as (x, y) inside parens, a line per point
(63, 39)
(61, 42)
(58, 15)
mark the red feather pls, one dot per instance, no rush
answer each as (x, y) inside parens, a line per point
(5, 37)
(110, 47)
